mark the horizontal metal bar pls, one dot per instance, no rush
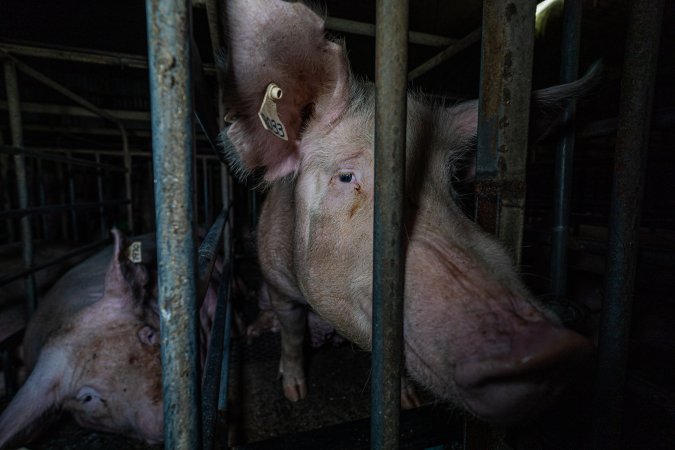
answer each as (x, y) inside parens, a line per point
(93, 131)
(36, 268)
(446, 54)
(82, 55)
(368, 29)
(68, 110)
(35, 153)
(135, 153)
(13, 213)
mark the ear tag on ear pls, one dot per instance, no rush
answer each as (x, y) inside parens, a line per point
(268, 112)
(134, 252)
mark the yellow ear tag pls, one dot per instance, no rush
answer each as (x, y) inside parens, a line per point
(134, 252)
(268, 112)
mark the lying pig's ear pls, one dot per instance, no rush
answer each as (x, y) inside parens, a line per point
(282, 43)
(124, 279)
(37, 400)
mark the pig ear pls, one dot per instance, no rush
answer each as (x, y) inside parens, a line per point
(116, 283)
(282, 43)
(41, 394)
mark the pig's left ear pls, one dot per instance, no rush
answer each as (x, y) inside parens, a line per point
(272, 41)
(117, 285)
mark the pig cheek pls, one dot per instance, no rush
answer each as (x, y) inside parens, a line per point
(337, 273)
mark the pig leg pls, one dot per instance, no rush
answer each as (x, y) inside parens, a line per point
(292, 317)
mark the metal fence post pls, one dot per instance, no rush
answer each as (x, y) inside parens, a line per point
(637, 91)
(391, 62)
(13, 103)
(168, 24)
(503, 118)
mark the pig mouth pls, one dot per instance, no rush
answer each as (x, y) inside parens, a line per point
(514, 387)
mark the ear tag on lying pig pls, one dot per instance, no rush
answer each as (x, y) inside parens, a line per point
(134, 252)
(268, 112)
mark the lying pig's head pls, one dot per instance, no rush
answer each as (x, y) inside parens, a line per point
(473, 334)
(102, 365)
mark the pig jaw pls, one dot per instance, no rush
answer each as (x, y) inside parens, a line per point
(479, 342)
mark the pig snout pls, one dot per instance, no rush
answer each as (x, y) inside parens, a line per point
(509, 388)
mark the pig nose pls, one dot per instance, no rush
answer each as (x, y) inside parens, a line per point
(508, 388)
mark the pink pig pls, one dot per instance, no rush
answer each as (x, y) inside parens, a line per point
(473, 334)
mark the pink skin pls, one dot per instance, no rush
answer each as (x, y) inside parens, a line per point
(93, 348)
(473, 334)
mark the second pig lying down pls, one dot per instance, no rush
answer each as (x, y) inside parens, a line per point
(93, 348)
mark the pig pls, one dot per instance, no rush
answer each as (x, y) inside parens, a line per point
(473, 334)
(93, 348)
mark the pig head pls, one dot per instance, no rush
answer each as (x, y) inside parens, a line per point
(473, 334)
(93, 346)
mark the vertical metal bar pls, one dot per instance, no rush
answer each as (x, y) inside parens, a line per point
(9, 372)
(562, 196)
(72, 199)
(99, 189)
(503, 116)
(169, 27)
(13, 106)
(205, 192)
(637, 89)
(6, 197)
(62, 199)
(391, 62)
(41, 198)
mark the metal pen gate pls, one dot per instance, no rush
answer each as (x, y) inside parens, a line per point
(191, 416)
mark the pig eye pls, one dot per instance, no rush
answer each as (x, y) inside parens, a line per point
(148, 335)
(346, 177)
(87, 394)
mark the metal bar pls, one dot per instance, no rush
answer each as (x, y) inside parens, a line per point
(503, 116)
(36, 153)
(564, 159)
(41, 197)
(214, 361)
(68, 110)
(208, 253)
(133, 153)
(9, 372)
(12, 87)
(205, 191)
(103, 223)
(391, 62)
(38, 76)
(62, 198)
(83, 55)
(6, 198)
(462, 44)
(57, 208)
(637, 91)
(168, 24)
(368, 29)
(71, 199)
(86, 248)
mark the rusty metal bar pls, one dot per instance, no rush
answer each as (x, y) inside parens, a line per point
(71, 198)
(562, 197)
(82, 55)
(503, 115)
(103, 223)
(462, 44)
(368, 29)
(37, 153)
(391, 65)
(14, 213)
(168, 24)
(12, 87)
(635, 108)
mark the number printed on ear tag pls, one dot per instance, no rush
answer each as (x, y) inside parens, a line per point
(134, 252)
(268, 112)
